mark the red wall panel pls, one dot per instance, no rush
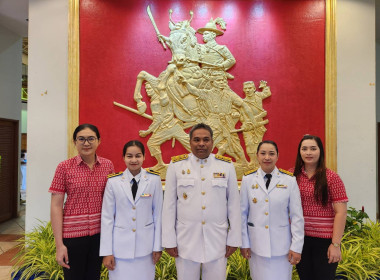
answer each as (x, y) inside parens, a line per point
(282, 42)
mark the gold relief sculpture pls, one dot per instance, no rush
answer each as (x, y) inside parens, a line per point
(165, 126)
(194, 88)
(211, 54)
(253, 99)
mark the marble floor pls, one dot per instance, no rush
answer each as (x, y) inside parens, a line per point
(10, 231)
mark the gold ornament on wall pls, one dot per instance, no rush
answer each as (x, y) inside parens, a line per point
(194, 88)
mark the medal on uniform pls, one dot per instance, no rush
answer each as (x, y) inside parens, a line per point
(219, 175)
(184, 195)
(254, 200)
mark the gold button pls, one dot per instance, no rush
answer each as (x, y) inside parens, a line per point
(203, 222)
(133, 230)
(203, 207)
(253, 186)
(203, 193)
(133, 219)
(134, 208)
(201, 165)
(266, 213)
(203, 179)
(266, 200)
(266, 227)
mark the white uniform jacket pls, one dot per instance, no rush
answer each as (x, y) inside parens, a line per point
(272, 220)
(201, 213)
(131, 228)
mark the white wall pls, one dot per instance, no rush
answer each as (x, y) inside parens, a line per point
(10, 74)
(47, 113)
(356, 110)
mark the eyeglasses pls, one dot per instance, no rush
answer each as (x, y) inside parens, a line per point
(83, 140)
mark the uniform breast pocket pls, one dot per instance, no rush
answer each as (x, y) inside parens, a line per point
(220, 183)
(219, 188)
(185, 188)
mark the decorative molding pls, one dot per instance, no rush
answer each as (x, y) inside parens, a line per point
(73, 75)
(330, 86)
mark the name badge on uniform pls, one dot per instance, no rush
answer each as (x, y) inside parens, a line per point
(281, 186)
(219, 175)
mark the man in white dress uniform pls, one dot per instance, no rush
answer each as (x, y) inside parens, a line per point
(201, 222)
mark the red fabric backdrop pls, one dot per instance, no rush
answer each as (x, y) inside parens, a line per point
(282, 42)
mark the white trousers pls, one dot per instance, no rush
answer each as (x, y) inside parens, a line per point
(274, 268)
(189, 270)
(133, 269)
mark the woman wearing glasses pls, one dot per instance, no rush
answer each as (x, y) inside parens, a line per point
(76, 225)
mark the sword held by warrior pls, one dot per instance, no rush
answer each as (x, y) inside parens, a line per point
(155, 27)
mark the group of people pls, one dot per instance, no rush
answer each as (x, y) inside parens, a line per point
(279, 219)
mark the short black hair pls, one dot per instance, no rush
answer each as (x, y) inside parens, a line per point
(199, 126)
(84, 126)
(136, 143)
(267, 142)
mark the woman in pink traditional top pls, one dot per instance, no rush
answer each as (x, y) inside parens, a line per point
(76, 224)
(324, 203)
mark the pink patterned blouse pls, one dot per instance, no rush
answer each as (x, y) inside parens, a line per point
(84, 188)
(319, 220)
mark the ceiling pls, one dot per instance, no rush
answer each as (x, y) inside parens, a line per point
(14, 15)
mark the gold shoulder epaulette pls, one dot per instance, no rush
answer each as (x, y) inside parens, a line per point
(180, 157)
(286, 172)
(151, 171)
(227, 159)
(250, 171)
(114, 174)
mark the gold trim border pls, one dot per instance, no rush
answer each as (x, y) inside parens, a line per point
(330, 86)
(330, 81)
(73, 75)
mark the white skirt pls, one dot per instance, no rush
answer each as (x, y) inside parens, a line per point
(274, 268)
(133, 269)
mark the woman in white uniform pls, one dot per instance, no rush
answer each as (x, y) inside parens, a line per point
(130, 238)
(272, 219)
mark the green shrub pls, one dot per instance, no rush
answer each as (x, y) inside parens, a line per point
(165, 268)
(360, 253)
(355, 221)
(36, 254)
(237, 267)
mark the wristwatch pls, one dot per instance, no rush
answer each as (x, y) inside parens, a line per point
(336, 245)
